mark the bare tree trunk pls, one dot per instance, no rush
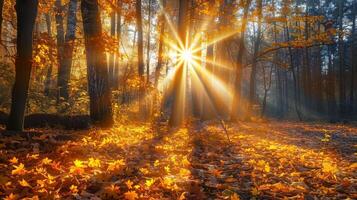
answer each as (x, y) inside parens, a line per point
(112, 56)
(117, 65)
(26, 11)
(295, 77)
(139, 27)
(353, 60)
(148, 45)
(1, 18)
(267, 87)
(252, 93)
(342, 87)
(239, 65)
(65, 71)
(208, 111)
(161, 46)
(179, 105)
(98, 80)
(60, 49)
(50, 67)
(330, 89)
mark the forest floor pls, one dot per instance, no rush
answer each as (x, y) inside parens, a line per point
(265, 160)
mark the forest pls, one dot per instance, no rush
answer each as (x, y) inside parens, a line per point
(178, 99)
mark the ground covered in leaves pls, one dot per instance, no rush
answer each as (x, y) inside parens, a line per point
(212, 160)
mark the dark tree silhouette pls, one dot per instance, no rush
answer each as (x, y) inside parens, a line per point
(97, 73)
(26, 11)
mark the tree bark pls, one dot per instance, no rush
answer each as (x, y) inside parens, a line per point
(1, 18)
(65, 71)
(117, 64)
(26, 11)
(252, 86)
(97, 73)
(342, 83)
(179, 102)
(139, 27)
(60, 49)
(148, 45)
(50, 67)
(112, 54)
(239, 65)
(161, 47)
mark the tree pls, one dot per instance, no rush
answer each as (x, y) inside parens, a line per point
(341, 54)
(112, 55)
(239, 64)
(97, 73)
(26, 11)
(66, 63)
(60, 49)
(139, 27)
(161, 46)
(178, 107)
(148, 44)
(50, 67)
(115, 80)
(1, 18)
(252, 92)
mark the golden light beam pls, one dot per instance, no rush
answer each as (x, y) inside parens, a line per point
(218, 84)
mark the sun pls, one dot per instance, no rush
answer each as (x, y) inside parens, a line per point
(186, 55)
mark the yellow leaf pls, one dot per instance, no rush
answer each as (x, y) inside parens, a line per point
(267, 168)
(129, 184)
(74, 189)
(131, 195)
(24, 183)
(167, 169)
(329, 167)
(11, 197)
(149, 182)
(19, 170)
(93, 162)
(14, 160)
(235, 197)
(46, 161)
(78, 163)
(113, 188)
(40, 183)
(144, 171)
(156, 163)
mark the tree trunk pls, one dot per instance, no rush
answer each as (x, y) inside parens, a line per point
(239, 65)
(208, 111)
(353, 60)
(161, 47)
(50, 67)
(65, 71)
(117, 65)
(179, 102)
(139, 27)
(295, 77)
(330, 89)
(26, 12)
(1, 18)
(97, 73)
(60, 50)
(112, 55)
(252, 93)
(342, 87)
(148, 45)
